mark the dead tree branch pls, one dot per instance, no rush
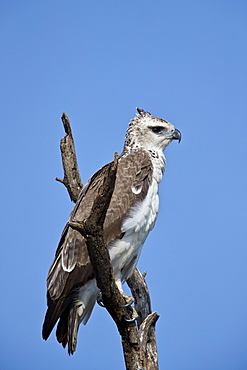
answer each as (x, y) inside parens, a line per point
(138, 341)
(72, 179)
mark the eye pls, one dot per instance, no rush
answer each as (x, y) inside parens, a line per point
(157, 129)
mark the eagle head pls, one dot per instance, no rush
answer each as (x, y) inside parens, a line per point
(151, 133)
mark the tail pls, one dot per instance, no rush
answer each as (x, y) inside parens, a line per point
(71, 311)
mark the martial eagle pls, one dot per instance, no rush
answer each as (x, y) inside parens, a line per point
(71, 287)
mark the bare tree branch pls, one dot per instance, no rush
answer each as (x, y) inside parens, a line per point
(138, 341)
(72, 179)
(146, 320)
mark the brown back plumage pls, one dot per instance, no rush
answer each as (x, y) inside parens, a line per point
(71, 267)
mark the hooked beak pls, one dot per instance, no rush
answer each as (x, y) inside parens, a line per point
(177, 135)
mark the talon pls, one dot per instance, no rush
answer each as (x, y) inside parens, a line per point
(99, 300)
(129, 300)
(134, 315)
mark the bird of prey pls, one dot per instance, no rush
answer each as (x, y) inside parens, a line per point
(71, 286)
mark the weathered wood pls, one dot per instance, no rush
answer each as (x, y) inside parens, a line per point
(146, 320)
(139, 290)
(138, 340)
(72, 179)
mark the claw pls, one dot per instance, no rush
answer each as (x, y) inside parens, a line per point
(129, 300)
(99, 300)
(134, 315)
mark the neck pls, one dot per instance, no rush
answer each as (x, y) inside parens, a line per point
(159, 163)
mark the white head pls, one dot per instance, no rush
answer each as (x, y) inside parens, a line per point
(148, 132)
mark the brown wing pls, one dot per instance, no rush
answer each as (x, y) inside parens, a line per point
(71, 267)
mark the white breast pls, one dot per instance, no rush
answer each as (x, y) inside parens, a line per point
(124, 253)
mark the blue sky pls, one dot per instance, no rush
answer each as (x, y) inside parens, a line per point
(184, 61)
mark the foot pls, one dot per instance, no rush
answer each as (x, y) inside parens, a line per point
(129, 300)
(132, 311)
(132, 315)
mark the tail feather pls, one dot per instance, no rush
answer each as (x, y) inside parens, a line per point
(70, 311)
(62, 328)
(74, 321)
(54, 310)
(81, 311)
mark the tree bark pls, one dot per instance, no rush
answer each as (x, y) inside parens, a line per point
(138, 338)
(72, 179)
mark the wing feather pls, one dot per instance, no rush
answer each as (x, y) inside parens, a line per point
(71, 267)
